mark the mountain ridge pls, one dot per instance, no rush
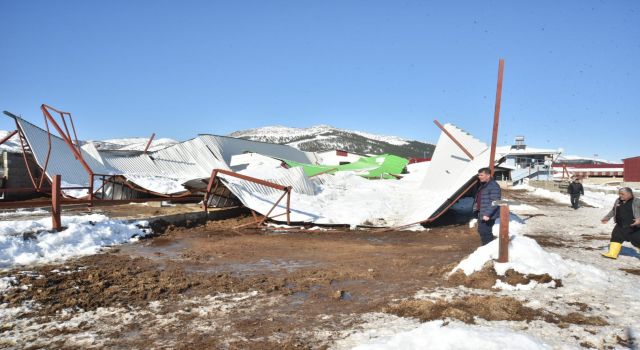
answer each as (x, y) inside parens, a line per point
(320, 138)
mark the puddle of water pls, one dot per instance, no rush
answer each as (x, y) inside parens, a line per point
(158, 249)
(345, 296)
(260, 266)
(300, 295)
(344, 286)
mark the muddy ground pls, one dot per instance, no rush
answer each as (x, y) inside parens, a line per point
(307, 280)
(258, 289)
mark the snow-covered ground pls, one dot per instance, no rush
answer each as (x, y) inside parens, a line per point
(591, 284)
(209, 313)
(25, 242)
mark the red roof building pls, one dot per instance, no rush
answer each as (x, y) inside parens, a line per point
(632, 169)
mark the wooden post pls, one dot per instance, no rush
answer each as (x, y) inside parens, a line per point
(496, 117)
(503, 250)
(56, 221)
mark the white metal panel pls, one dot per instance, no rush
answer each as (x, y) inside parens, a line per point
(349, 199)
(61, 159)
(190, 159)
(450, 169)
(225, 147)
(140, 164)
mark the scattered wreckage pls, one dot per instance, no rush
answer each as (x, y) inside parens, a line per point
(223, 171)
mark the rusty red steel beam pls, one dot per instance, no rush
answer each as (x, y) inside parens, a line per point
(73, 127)
(454, 139)
(252, 179)
(286, 189)
(256, 222)
(66, 138)
(25, 204)
(66, 129)
(149, 143)
(6, 138)
(24, 156)
(96, 201)
(56, 221)
(496, 118)
(212, 179)
(273, 207)
(45, 190)
(503, 244)
(46, 163)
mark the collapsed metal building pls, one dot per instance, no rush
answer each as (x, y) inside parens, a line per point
(224, 171)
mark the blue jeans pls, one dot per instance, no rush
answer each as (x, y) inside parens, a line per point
(485, 230)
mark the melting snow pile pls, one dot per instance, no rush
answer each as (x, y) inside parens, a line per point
(30, 241)
(441, 335)
(527, 257)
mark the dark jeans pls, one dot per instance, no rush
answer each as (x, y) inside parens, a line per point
(575, 200)
(630, 234)
(484, 230)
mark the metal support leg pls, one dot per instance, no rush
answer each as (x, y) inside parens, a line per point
(56, 221)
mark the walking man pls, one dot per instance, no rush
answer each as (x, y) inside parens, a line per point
(486, 213)
(575, 189)
(626, 213)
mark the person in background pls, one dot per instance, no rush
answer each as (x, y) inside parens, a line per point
(575, 189)
(626, 214)
(487, 213)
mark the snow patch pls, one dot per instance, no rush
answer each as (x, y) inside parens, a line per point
(441, 335)
(30, 241)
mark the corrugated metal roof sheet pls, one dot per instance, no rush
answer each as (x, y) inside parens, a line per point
(401, 203)
(225, 147)
(61, 160)
(166, 169)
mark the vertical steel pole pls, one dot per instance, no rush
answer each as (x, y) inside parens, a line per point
(212, 179)
(503, 250)
(56, 221)
(288, 205)
(91, 178)
(496, 117)
(149, 143)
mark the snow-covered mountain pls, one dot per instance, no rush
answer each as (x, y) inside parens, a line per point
(325, 137)
(133, 144)
(316, 138)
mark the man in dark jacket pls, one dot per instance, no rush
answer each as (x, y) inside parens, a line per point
(483, 207)
(626, 213)
(575, 189)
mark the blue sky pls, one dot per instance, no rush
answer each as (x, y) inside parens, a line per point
(179, 68)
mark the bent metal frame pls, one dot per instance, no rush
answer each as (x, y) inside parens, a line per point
(214, 182)
(55, 189)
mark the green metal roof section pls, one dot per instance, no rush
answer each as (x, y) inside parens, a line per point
(383, 166)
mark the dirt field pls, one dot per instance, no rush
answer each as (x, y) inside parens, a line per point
(211, 286)
(305, 281)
